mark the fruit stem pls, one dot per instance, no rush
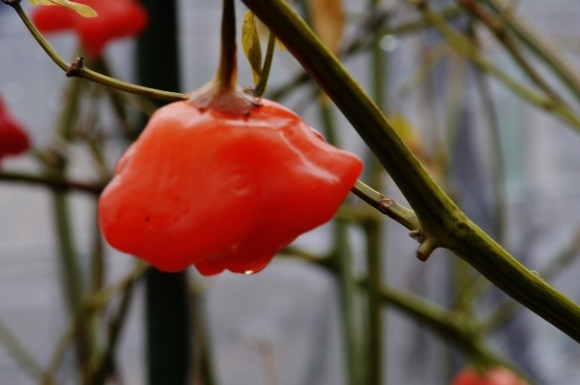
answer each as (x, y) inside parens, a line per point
(226, 75)
(261, 86)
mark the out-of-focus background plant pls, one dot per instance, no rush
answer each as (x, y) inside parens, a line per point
(484, 92)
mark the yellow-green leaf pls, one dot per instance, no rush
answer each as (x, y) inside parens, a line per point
(251, 45)
(328, 22)
(81, 9)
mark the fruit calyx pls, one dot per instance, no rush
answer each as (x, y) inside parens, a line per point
(231, 100)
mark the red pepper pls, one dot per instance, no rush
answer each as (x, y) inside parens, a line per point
(13, 139)
(494, 376)
(222, 191)
(117, 19)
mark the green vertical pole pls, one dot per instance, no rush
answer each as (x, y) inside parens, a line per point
(168, 319)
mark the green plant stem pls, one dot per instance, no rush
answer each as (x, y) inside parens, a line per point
(347, 287)
(263, 82)
(466, 48)
(326, 262)
(509, 308)
(105, 362)
(498, 162)
(69, 263)
(441, 222)
(433, 58)
(362, 43)
(449, 13)
(205, 371)
(460, 331)
(539, 46)
(93, 76)
(51, 181)
(500, 32)
(373, 227)
(386, 205)
(93, 302)
(451, 326)
(19, 353)
(118, 103)
(226, 76)
(342, 257)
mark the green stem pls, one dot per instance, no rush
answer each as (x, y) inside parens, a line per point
(324, 261)
(537, 44)
(373, 227)
(465, 47)
(363, 43)
(434, 57)
(262, 83)
(93, 76)
(19, 353)
(449, 13)
(93, 302)
(205, 370)
(508, 308)
(499, 31)
(226, 75)
(460, 331)
(441, 222)
(105, 362)
(51, 181)
(347, 287)
(496, 156)
(387, 206)
(343, 259)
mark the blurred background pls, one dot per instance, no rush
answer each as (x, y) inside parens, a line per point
(511, 166)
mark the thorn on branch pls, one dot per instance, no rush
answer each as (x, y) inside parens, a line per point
(75, 68)
(426, 245)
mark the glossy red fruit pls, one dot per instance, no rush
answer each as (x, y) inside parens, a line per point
(13, 139)
(494, 376)
(117, 19)
(222, 191)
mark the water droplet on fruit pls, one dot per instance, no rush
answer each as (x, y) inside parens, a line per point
(249, 272)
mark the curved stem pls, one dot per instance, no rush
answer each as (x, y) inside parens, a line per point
(93, 76)
(437, 214)
(261, 86)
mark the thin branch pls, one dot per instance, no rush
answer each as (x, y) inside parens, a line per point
(544, 50)
(77, 68)
(500, 32)
(470, 51)
(450, 326)
(19, 352)
(362, 42)
(91, 303)
(52, 182)
(386, 205)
